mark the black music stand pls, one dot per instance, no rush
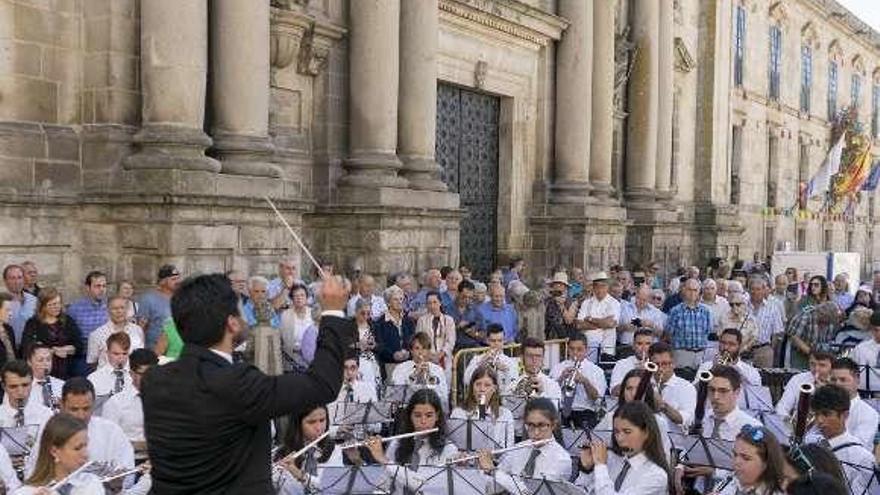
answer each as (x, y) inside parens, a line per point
(474, 434)
(755, 398)
(395, 393)
(356, 480)
(18, 440)
(873, 485)
(449, 480)
(543, 486)
(697, 450)
(363, 413)
(574, 439)
(780, 427)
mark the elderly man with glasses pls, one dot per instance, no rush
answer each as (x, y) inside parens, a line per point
(688, 327)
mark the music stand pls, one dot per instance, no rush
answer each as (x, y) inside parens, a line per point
(872, 487)
(474, 434)
(755, 398)
(449, 480)
(701, 451)
(395, 393)
(543, 486)
(18, 440)
(356, 480)
(363, 413)
(778, 426)
(867, 373)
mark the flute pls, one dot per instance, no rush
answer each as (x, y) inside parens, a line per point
(123, 474)
(530, 443)
(395, 437)
(71, 475)
(303, 450)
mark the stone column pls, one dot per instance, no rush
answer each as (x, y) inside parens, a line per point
(666, 86)
(240, 86)
(374, 64)
(574, 73)
(174, 60)
(602, 125)
(417, 121)
(641, 148)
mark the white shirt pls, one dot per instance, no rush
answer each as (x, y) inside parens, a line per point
(427, 457)
(126, 410)
(594, 308)
(288, 485)
(37, 391)
(867, 353)
(851, 456)
(643, 477)
(732, 425)
(503, 427)
(97, 352)
(553, 464)
(7, 472)
(104, 379)
(861, 424)
(83, 484)
(35, 414)
(792, 391)
(510, 375)
(593, 373)
(377, 306)
(733, 488)
(549, 386)
(607, 424)
(719, 309)
(292, 328)
(404, 370)
(748, 372)
(621, 368)
(107, 443)
(681, 395)
(629, 310)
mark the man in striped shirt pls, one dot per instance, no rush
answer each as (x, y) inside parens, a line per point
(688, 327)
(769, 321)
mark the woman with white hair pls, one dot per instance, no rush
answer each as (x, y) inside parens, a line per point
(393, 331)
(740, 318)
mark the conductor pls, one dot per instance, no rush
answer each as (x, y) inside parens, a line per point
(206, 419)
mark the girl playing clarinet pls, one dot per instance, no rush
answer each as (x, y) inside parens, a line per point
(549, 461)
(758, 464)
(636, 464)
(484, 402)
(302, 474)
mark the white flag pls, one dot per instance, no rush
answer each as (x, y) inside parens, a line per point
(819, 184)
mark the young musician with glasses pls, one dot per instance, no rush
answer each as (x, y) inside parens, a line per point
(549, 461)
(483, 401)
(303, 474)
(729, 347)
(636, 464)
(758, 464)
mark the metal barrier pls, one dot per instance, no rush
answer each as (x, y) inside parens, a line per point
(554, 353)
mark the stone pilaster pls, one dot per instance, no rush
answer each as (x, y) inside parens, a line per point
(374, 63)
(419, 28)
(240, 86)
(641, 159)
(574, 72)
(174, 59)
(665, 96)
(602, 125)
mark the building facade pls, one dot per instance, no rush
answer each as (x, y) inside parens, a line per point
(403, 134)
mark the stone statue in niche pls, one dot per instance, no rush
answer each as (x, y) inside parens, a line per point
(480, 71)
(625, 53)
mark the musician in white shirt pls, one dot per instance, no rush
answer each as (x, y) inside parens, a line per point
(97, 350)
(636, 464)
(830, 405)
(107, 442)
(642, 340)
(588, 380)
(505, 366)
(113, 377)
(17, 410)
(549, 461)
(441, 330)
(419, 372)
(45, 389)
(758, 464)
(867, 354)
(678, 397)
(354, 391)
(819, 374)
(125, 408)
(294, 476)
(862, 420)
(729, 345)
(538, 384)
(483, 402)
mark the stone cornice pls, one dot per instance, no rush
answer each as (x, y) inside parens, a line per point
(511, 17)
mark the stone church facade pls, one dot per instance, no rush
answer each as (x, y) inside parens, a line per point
(404, 134)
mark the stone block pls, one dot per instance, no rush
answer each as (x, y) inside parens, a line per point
(57, 176)
(19, 58)
(46, 26)
(124, 33)
(197, 182)
(16, 174)
(97, 8)
(62, 143)
(137, 236)
(22, 141)
(103, 154)
(28, 99)
(117, 107)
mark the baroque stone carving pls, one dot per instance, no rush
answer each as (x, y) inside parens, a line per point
(684, 62)
(625, 53)
(296, 36)
(480, 72)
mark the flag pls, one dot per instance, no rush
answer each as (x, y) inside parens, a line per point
(819, 184)
(854, 176)
(874, 179)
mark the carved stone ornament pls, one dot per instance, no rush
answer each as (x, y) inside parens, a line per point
(625, 54)
(480, 72)
(313, 52)
(297, 36)
(684, 62)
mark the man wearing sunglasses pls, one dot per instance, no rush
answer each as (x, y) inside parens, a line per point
(830, 405)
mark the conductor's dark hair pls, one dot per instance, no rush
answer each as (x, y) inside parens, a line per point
(817, 484)
(142, 357)
(17, 368)
(200, 308)
(77, 386)
(845, 363)
(642, 417)
(436, 440)
(730, 373)
(295, 441)
(830, 398)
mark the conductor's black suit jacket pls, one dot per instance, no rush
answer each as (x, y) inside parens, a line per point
(207, 421)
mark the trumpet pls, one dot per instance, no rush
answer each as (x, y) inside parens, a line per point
(527, 444)
(421, 376)
(569, 385)
(725, 359)
(525, 387)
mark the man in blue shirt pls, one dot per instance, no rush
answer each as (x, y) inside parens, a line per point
(89, 312)
(497, 310)
(23, 305)
(688, 327)
(154, 306)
